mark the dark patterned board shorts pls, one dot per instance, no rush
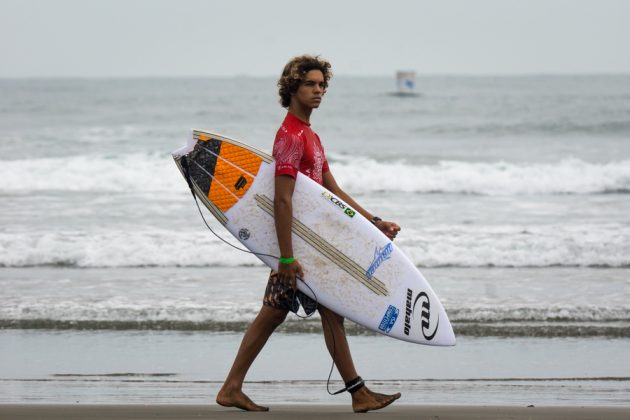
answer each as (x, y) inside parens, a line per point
(279, 296)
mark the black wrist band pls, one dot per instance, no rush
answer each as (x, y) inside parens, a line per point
(375, 219)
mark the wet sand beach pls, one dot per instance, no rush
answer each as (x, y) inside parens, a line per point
(304, 412)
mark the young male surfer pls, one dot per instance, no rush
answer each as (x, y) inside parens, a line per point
(298, 149)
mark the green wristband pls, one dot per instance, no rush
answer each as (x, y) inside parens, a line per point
(286, 261)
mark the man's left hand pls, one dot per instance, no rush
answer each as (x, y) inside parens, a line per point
(390, 229)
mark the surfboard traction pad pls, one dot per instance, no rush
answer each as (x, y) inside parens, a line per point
(215, 181)
(222, 182)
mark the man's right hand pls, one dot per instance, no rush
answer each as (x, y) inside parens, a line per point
(287, 273)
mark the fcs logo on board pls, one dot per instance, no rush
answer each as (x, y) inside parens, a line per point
(410, 310)
(337, 202)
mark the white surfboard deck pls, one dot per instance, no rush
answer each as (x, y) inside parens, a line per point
(351, 266)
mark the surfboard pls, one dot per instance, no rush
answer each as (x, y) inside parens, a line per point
(349, 265)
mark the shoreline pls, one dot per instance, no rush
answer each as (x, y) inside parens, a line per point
(167, 367)
(305, 412)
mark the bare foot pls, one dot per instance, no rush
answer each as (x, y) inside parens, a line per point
(236, 398)
(365, 400)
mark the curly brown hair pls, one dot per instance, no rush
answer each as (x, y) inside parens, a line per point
(294, 72)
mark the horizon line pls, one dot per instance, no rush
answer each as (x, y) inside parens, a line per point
(346, 75)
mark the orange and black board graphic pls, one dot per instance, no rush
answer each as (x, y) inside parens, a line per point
(221, 170)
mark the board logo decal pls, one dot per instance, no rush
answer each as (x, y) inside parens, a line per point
(410, 310)
(240, 183)
(337, 202)
(380, 256)
(389, 319)
(243, 234)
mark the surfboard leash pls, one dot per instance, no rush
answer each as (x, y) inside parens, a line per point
(351, 386)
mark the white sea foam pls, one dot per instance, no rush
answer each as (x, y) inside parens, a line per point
(518, 246)
(569, 176)
(539, 313)
(464, 246)
(119, 249)
(153, 173)
(126, 173)
(117, 308)
(123, 309)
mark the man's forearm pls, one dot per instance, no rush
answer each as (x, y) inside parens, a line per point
(349, 200)
(283, 212)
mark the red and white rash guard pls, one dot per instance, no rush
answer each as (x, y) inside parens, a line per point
(297, 148)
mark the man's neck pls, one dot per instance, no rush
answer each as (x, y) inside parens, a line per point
(302, 113)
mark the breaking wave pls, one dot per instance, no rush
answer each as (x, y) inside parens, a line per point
(569, 176)
(437, 246)
(137, 173)
(561, 321)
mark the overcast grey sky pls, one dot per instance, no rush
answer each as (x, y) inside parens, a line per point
(118, 38)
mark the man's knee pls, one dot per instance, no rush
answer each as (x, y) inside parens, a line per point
(329, 315)
(274, 316)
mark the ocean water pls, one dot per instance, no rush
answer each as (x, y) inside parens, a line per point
(513, 194)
